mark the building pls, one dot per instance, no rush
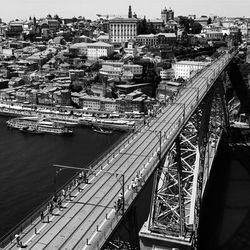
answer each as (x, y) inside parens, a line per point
(15, 29)
(167, 38)
(167, 74)
(98, 49)
(153, 40)
(122, 29)
(185, 69)
(157, 24)
(147, 39)
(78, 49)
(135, 69)
(167, 14)
(202, 20)
(214, 35)
(131, 49)
(103, 38)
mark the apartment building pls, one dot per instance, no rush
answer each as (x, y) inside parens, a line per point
(185, 69)
(98, 49)
(122, 29)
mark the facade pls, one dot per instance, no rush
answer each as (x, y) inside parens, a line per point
(185, 69)
(167, 74)
(157, 24)
(136, 69)
(157, 39)
(98, 49)
(214, 35)
(202, 20)
(147, 39)
(98, 103)
(122, 29)
(131, 50)
(78, 49)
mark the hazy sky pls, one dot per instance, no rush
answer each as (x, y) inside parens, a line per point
(22, 9)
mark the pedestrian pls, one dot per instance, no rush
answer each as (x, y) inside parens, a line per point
(59, 203)
(85, 178)
(54, 199)
(17, 237)
(42, 216)
(63, 193)
(80, 177)
(120, 201)
(115, 207)
(51, 207)
(69, 191)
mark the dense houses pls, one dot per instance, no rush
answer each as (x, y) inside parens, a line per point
(120, 64)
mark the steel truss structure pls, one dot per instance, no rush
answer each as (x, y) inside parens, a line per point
(181, 179)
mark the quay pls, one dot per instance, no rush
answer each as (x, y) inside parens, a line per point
(73, 117)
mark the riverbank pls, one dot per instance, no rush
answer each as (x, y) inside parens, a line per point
(74, 117)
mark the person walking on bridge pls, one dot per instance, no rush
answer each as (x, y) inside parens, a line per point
(42, 216)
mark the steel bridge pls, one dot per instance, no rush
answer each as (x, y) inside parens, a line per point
(177, 147)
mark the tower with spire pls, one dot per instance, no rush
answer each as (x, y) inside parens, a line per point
(129, 12)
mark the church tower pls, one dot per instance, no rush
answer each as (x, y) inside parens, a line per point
(129, 12)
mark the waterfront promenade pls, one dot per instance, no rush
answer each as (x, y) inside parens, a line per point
(86, 221)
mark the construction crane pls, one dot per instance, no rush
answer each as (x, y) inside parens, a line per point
(107, 16)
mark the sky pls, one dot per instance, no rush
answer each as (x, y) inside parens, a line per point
(23, 9)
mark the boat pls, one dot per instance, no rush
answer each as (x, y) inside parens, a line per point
(31, 130)
(101, 131)
(38, 125)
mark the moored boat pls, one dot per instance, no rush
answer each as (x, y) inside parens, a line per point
(36, 125)
(101, 131)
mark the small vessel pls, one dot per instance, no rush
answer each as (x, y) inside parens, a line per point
(101, 131)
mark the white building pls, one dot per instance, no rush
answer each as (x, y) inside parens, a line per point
(122, 29)
(186, 69)
(98, 49)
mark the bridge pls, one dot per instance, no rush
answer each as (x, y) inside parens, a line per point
(177, 147)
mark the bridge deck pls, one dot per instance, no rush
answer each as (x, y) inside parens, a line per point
(89, 217)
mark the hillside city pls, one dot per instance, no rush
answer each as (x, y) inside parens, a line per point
(126, 65)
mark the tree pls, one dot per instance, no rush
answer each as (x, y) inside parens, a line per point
(142, 26)
(74, 19)
(196, 28)
(49, 16)
(185, 23)
(34, 20)
(209, 20)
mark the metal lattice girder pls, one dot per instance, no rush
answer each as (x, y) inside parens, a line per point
(180, 180)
